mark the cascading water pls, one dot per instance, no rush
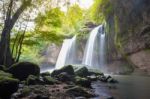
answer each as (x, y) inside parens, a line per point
(67, 53)
(94, 52)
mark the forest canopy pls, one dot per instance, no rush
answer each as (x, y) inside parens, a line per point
(33, 24)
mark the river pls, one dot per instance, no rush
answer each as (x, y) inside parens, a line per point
(129, 87)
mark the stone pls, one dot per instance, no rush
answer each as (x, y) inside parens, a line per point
(8, 85)
(68, 69)
(22, 70)
(32, 80)
(83, 82)
(79, 92)
(81, 71)
(49, 80)
(64, 77)
(45, 74)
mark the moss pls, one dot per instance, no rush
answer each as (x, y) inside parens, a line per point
(25, 91)
(4, 74)
(49, 80)
(8, 85)
(22, 70)
(32, 80)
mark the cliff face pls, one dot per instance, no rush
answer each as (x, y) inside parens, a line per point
(129, 32)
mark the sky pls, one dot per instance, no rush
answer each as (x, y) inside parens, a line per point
(82, 3)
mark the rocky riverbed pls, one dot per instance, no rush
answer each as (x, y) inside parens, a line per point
(70, 82)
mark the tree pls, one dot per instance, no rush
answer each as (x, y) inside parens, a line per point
(11, 16)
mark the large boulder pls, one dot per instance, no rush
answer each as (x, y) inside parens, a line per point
(81, 71)
(64, 77)
(84, 82)
(68, 69)
(22, 70)
(8, 85)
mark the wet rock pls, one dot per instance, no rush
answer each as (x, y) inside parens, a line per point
(41, 97)
(79, 91)
(45, 74)
(103, 78)
(112, 80)
(81, 71)
(92, 78)
(83, 82)
(49, 80)
(68, 69)
(95, 72)
(111, 97)
(32, 80)
(64, 77)
(8, 85)
(22, 70)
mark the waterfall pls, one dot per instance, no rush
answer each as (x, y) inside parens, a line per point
(95, 47)
(67, 53)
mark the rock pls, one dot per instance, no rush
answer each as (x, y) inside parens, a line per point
(8, 85)
(81, 71)
(103, 78)
(32, 80)
(4, 74)
(83, 82)
(22, 70)
(32, 92)
(111, 97)
(95, 72)
(49, 80)
(92, 78)
(111, 80)
(45, 74)
(41, 97)
(68, 69)
(64, 77)
(78, 92)
(2, 67)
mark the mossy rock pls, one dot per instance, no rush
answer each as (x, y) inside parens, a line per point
(45, 74)
(32, 80)
(68, 69)
(49, 80)
(22, 70)
(82, 81)
(79, 92)
(8, 85)
(81, 71)
(64, 77)
(4, 74)
(95, 72)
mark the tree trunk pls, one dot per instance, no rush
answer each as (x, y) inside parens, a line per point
(6, 57)
(5, 53)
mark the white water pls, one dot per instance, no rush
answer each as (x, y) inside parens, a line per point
(102, 50)
(67, 53)
(94, 53)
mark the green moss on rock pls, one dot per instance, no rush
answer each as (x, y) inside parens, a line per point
(49, 80)
(8, 85)
(22, 70)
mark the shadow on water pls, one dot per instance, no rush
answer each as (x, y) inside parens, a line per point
(129, 87)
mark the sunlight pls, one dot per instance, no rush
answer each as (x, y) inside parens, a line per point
(82, 3)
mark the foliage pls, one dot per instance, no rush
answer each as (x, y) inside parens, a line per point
(101, 10)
